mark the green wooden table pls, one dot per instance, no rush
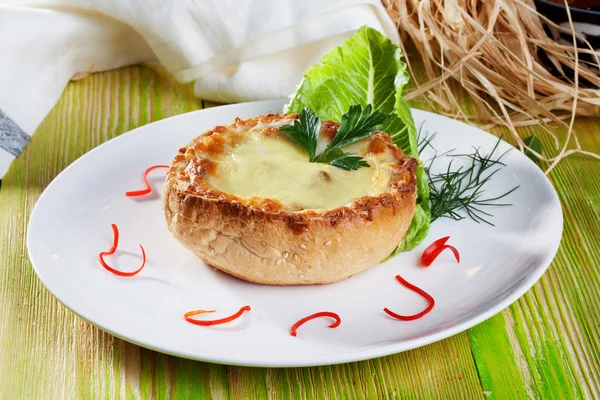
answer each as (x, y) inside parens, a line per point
(546, 345)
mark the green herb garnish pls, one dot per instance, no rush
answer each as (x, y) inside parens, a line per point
(457, 193)
(356, 124)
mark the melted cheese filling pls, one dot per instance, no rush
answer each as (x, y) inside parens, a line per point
(278, 168)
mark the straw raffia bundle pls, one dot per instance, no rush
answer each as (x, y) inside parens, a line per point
(492, 48)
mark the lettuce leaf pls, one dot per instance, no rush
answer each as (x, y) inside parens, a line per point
(367, 69)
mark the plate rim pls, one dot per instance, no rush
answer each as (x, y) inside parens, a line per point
(360, 355)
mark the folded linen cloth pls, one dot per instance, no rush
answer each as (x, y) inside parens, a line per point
(234, 50)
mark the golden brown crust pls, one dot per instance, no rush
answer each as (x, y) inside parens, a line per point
(329, 129)
(259, 241)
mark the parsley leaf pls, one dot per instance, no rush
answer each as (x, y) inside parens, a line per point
(349, 162)
(338, 158)
(306, 131)
(329, 154)
(356, 124)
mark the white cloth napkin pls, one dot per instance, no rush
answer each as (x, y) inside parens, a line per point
(234, 50)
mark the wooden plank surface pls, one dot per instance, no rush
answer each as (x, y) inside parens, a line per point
(545, 346)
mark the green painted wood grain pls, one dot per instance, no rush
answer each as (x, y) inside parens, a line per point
(492, 348)
(544, 346)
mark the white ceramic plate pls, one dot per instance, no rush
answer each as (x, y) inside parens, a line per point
(70, 225)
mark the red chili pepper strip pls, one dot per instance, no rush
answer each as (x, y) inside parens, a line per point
(112, 251)
(434, 249)
(337, 322)
(188, 314)
(197, 312)
(434, 245)
(148, 189)
(420, 291)
(435, 253)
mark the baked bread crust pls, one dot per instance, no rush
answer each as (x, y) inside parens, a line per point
(257, 240)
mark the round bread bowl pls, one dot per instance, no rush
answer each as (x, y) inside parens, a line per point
(263, 240)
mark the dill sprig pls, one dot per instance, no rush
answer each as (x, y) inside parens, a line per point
(458, 193)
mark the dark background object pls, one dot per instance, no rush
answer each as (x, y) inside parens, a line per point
(585, 15)
(592, 5)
